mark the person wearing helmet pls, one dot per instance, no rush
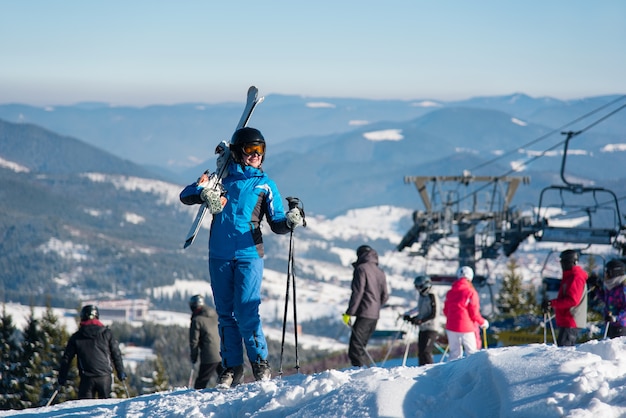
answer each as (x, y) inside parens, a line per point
(462, 311)
(236, 251)
(96, 350)
(425, 316)
(613, 293)
(369, 294)
(204, 341)
(570, 305)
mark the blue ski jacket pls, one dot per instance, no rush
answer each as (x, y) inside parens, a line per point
(236, 231)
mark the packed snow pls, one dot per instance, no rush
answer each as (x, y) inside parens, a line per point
(537, 380)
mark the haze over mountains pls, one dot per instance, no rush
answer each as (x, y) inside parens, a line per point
(324, 149)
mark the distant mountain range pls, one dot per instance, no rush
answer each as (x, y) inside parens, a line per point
(90, 204)
(336, 154)
(180, 136)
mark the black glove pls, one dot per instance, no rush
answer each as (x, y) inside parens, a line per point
(412, 320)
(545, 306)
(609, 317)
(594, 281)
(122, 376)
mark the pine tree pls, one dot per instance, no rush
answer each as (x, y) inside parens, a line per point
(10, 351)
(530, 295)
(55, 338)
(157, 380)
(160, 376)
(512, 300)
(30, 381)
(595, 304)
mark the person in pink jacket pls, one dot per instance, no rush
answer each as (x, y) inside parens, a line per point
(462, 311)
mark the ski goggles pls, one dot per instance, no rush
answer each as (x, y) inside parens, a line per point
(254, 148)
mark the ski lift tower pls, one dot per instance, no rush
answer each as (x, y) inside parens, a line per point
(478, 206)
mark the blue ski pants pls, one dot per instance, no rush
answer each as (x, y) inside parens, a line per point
(236, 286)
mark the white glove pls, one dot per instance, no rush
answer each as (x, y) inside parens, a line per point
(294, 218)
(212, 197)
(485, 324)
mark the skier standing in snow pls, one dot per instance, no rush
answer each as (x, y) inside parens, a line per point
(424, 316)
(462, 311)
(236, 252)
(96, 350)
(570, 305)
(369, 294)
(613, 292)
(204, 341)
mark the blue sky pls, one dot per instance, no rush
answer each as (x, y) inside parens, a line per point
(150, 51)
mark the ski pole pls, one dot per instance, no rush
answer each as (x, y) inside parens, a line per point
(125, 389)
(485, 338)
(190, 378)
(606, 330)
(293, 202)
(406, 349)
(394, 337)
(54, 395)
(549, 320)
(545, 330)
(552, 330)
(295, 310)
(282, 344)
(443, 356)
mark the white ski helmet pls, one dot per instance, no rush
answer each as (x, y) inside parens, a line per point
(466, 272)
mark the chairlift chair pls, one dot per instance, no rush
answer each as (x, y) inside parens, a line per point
(576, 213)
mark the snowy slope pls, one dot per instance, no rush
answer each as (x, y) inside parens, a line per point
(527, 381)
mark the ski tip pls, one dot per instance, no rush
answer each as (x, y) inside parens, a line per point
(260, 99)
(188, 243)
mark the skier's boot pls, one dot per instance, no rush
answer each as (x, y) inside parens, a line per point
(261, 370)
(230, 377)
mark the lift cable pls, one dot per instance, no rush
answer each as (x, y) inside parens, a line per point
(541, 138)
(543, 153)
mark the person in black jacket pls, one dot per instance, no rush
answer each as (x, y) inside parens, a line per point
(204, 341)
(96, 349)
(369, 294)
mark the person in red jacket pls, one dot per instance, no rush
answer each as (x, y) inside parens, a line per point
(462, 311)
(570, 305)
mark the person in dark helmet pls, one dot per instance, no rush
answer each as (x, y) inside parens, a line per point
(613, 294)
(570, 305)
(425, 316)
(369, 294)
(236, 251)
(96, 350)
(204, 341)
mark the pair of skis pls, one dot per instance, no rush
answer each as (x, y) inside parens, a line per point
(252, 101)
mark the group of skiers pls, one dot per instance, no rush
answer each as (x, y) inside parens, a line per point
(463, 318)
(218, 337)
